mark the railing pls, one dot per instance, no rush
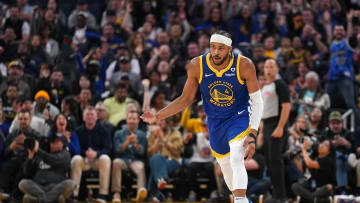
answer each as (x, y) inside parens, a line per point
(345, 117)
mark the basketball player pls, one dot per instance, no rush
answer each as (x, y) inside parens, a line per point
(232, 102)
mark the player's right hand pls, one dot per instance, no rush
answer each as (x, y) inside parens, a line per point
(148, 117)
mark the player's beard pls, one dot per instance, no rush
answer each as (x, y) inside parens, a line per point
(221, 62)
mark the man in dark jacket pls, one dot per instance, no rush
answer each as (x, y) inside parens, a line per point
(15, 154)
(95, 144)
(47, 172)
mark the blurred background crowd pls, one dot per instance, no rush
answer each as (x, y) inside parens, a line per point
(75, 75)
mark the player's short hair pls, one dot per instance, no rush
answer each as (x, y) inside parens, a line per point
(223, 33)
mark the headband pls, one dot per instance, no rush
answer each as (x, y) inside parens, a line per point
(221, 39)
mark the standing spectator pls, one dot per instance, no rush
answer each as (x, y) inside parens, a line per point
(95, 148)
(117, 104)
(46, 172)
(165, 146)
(129, 153)
(341, 76)
(82, 7)
(275, 116)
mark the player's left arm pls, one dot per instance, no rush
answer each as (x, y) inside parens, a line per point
(248, 74)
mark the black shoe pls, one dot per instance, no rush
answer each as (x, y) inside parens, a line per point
(158, 197)
(101, 198)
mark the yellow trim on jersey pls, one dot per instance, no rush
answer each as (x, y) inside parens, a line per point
(201, 69)
(241, 135)
(217, 155)
(221, 72)
(238, 71)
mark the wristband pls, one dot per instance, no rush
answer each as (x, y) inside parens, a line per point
(252, 142)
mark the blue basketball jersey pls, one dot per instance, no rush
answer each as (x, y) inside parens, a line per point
(223, 92)
(341, 60)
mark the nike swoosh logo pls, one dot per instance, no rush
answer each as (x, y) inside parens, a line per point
(207, 75)
(241, 112)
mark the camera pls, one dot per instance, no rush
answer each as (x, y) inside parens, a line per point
(29, 143)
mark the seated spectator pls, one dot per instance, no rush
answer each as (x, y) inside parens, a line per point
(316, 122)
(129, 148)
(15, 72)
(51, 46)
(165, 147)
(60, 16)
(193, 125)
(312, 95)
(95, 148)
(103, 117)
(9, 45)
(60, 126)
(158, 101)
(354, 162)
(4, 125)
(298, 83)
(10, 101)
(70, 108)
(85, 97)
(297, 55)
(36, 56)
(57, 88)
(15, 154)
(201, 161)
(36, 122)
(117, 104)
(20, 26)
(132, 106)
(82, 7)
(269, 45)
(343, 140)
(42, 106)
(322, 169)
(46, 172)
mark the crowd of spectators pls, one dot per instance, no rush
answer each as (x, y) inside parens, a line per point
(75, 75)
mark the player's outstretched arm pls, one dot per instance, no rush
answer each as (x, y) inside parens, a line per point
(186, 98)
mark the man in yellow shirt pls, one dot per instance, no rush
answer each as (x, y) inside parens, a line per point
(117, 104)
(193, 125)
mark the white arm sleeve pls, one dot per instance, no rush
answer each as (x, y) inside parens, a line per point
(257, 106)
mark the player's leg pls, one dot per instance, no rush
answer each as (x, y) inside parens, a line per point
(226, 170)
(239, 175)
